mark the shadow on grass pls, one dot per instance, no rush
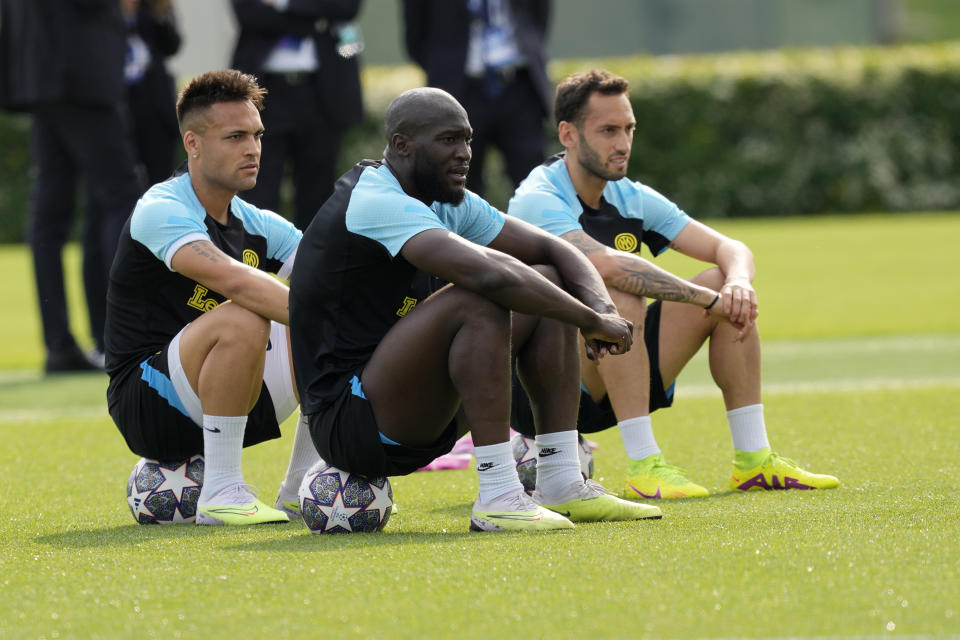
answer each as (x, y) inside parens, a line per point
(290, 536)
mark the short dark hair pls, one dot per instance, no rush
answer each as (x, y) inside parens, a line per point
(207, 89)
(575, 90)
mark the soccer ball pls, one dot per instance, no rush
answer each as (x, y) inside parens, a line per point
(335, 501)
(525, 455)
(165, 492)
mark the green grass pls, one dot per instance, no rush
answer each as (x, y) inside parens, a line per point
(862, 371)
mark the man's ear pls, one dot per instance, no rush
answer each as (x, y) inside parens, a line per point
(401, 144)
(568, 134)
(191, 142)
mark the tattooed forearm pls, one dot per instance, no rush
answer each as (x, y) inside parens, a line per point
(585, 243)
(645, 279)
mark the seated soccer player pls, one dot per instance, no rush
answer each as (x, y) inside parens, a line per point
(197, 350)
(389, 381)
(583, 196)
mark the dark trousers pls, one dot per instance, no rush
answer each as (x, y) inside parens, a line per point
(512, 122)
(297, 132)
(70, 142)
(155, 136)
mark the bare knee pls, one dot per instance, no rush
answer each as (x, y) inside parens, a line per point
(631, 307)
(712, 278)
(236, 327)
(550, 273)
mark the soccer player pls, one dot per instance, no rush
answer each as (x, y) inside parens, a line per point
(583, 196)
(388, 380)
(197, 350)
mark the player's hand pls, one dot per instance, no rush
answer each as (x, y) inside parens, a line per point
(738, 306)
(612, 334)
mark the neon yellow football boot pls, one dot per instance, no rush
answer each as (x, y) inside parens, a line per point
(237, 505)
(588, 501)
(765, 470)
(652, 478)
(515, 511)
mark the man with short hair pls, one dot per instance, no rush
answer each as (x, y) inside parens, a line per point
(388, 380)
(584, 196)
(197, 350)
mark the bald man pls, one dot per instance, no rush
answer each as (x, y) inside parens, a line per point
(389, 381)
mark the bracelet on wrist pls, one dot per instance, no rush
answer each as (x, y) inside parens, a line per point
(707, 308)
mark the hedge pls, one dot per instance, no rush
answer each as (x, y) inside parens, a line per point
(742, 134)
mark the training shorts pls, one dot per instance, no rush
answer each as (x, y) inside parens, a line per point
(159, 414)
(346, 436)
(597, 416)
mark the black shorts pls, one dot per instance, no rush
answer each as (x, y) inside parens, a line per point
(346, 435)
(152, 420)
(597, 416)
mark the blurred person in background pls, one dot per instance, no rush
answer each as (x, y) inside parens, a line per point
(306, 55)
(152, 37)
(491, 56)
(62, 61)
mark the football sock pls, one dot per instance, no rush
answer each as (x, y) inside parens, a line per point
(558, 463)
(303, 456)
(222, 449)
(747, 428)
(637, 436)
(496, 470)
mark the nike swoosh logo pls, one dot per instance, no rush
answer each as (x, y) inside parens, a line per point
(269, 344)
(240, 511)
(507, 516)
(641, 493)
(565, 515)
(212, 430)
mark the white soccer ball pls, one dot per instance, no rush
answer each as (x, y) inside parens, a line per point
(165, 492)
(335, 501)
(525, 455)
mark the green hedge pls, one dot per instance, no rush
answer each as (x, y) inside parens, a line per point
(812, 131)
(751, 134)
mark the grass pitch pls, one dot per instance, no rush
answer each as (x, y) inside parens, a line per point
(870, 393)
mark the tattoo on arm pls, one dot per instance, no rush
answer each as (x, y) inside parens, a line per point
(208, 251)
(585, 243)
(642, 278)
(636, 275)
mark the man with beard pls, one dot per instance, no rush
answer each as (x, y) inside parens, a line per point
(389, 381)
(583, 196)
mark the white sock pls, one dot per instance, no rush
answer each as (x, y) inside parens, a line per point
(637, 435)
(222, 448)
(558, 463)
(747, 428)
(496, 470)
(303, 456)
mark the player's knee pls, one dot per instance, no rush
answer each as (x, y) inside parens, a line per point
(712, 278)
(240, 327)
(550, 273)
(631, 307)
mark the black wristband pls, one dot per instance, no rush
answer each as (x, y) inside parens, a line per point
(707, 308)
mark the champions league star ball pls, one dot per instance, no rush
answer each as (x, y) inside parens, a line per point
(525, 455)
(165, 492)
(334, 501)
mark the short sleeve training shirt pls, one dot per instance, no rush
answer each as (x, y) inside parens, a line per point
(351, 284)
(630, 213)
(147, 302)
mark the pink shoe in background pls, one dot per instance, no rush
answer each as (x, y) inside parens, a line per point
(458, 458)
